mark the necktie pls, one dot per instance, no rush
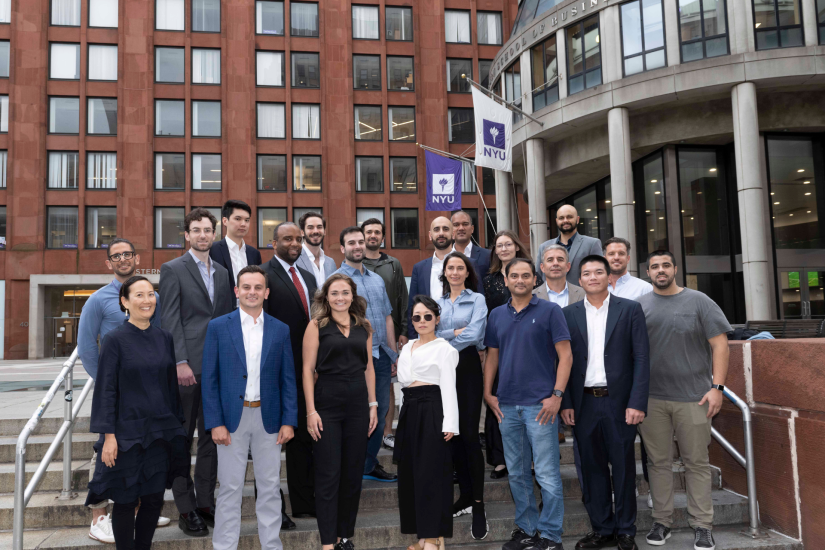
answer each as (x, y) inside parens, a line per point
(300, 289)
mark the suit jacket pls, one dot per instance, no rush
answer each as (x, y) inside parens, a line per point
(305, 263)
(186, 309)
(284, 304)
(582, 246)
(220, 253)
(575, 293)
(481, 256)
(224, 375)
(626, 356)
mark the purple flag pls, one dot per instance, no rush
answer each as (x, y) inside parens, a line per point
(443, 183)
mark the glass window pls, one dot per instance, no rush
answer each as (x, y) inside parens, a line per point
(778, 24)
(593, 204)
(103, 13)
(170, 171)
(305, 70)
(65, 62)
(102, 116)
(584, 58)
(206, 172)
(268, 220)
(364, 214)
(704, 204)
(306, 173)
(400, 73)
(168, 117)
(63, 170)
(702, 29)
(298, 212)
(4, 164)
(66, 13)
(306, 121)
(399, 23)
(512, 87)
(303, 19)
(651, 216)
(169, 65)
(368, 123)
(102, 62)
(101, 226)
(62, 227)
(585, 205)
(271, 121)
(64, 115)
(269, 17)
(169, 228)
(794, 189)
(484, 66)
(488, 181)
(369, 174)
(101, 170)
(366, 72)
(457, 69)
(467, 174)
(525, 15)
(820, 19)
(489, 27)
(461, 126)
(206, 66)
(215, 211)
(365, 22)
(643, 36)
(4, 114)
(2, 227)
(544, 59)
(270, 68)
(206, 15)
(206, 118)
(545, 5)
(169, 15)
(272, 173)
(457, 26)
(5, 11)
(404, 227)
(403, 172)
(4, 58)
(402, 123)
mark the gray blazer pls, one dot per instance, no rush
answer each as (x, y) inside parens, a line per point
(304, 262)
(186, 309)
(582, 246)
(575, 293)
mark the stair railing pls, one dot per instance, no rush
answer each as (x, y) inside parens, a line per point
(23, 492)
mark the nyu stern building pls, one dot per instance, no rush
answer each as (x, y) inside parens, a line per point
(696, 126)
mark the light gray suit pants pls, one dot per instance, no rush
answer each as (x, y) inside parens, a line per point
(266, 461)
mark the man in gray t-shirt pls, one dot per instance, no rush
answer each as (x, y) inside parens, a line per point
(688, 366)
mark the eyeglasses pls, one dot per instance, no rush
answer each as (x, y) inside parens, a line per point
(503, 246)
(427, 317)
(124, 255)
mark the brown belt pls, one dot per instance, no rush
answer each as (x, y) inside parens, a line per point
(596, 392)
(252, 404)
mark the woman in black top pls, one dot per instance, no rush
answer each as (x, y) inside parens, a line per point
(137, 412)
(339, 388)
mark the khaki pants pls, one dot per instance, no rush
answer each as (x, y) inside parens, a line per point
(692, 428)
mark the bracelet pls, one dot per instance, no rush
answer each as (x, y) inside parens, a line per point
(313, 412)
(374, 404)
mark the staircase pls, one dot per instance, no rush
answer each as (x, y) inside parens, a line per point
(54, 523)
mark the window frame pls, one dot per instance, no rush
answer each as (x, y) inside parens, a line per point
(450, 122)
(317, 16)
(469, 22)
(820, 25)
(481, 73)
(155, 227)
(259, 211)
(544, 87)
(778, 28)
(192, 117)
(292, 78)
(380, 117)
(415, 164)
(643, 54)
(80, 16)
(155, 172)
(258, 175)
(192, 66)
(412, 29)
(585, 70)
(352, 21)
(258, 119)
(4, 162)
(9, 60)
(283, 14)
(389, 122)
(96, 152)
(49, 115)
(380, 80)
(89, 57)
(4, 225)
(183, 51)
(192, 177)
(155, 113)
(292, 122)
(49, 164)
(89, 99)
(283, 69)
(86, 209)
(320, 171)
(500, 27)
(355, 169)
(192, 18)
(704, 39)
(472, 76)
(392, 229)
(412, 58)
(89, 16)
(77, 218)
(77, 63)
(155, 10)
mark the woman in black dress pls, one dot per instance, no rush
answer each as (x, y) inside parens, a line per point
(137, 412)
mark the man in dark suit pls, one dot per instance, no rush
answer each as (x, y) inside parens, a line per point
(291, 290)
(605, 400)
(232, 252)
(195, 289)
(463, 230)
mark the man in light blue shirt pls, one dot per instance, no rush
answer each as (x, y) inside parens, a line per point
(555, 264)
(620, 282)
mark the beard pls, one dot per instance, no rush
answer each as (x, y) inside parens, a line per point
(664, 285)
(315, 240)
(567, 230)
(447, 244)
(354, 257)
(372, 247)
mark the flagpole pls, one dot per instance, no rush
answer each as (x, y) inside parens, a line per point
(506, 103)
(446, 154)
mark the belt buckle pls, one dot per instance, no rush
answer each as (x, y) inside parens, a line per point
(599, 392)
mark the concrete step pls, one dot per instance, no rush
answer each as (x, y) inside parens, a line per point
(11, 427)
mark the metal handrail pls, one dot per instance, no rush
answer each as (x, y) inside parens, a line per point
(23, 492)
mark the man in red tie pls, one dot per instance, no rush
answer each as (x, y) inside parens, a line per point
(291, 290)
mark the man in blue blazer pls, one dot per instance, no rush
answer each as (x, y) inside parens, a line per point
(231, 251)
(463, 230)
(250, 402)
(606, 399)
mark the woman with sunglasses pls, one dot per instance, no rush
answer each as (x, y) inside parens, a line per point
(463, 323)
(426, 371)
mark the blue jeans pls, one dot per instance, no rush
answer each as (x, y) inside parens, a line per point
(526, 441)
(383, 374)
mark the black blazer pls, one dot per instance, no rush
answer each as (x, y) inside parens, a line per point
(626, 356)
(482, 258)
(284, 304)
(220, 254)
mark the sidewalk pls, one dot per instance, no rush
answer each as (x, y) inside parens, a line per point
(24, 383)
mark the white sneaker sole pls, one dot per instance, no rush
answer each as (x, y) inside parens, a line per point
(463, 511)
(486, 533)
(657, 542)
(91, 536)
(704, 548)
(163, 522)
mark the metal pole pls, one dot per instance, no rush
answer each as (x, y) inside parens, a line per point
(737, 456)
(19, 489)
(66, 493)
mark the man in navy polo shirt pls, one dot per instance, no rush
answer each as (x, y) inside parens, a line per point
(524, 338)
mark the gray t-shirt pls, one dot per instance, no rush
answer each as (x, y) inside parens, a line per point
(681, 359)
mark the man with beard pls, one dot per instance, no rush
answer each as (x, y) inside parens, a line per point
(231, 251)
(195, 290)
(291, 290)
(463, 230)
(100, 314)
(384, 352)
(312, 258)
(578, 246)
(621, 283)
(688, 367)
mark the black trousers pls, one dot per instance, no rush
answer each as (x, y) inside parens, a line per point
(200, 493)
(300, 473)
(342, 403)
(492, 435)
(425, 467)
(136, 533)
(466, 447)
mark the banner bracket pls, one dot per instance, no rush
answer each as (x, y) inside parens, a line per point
(504, 101)
(446, 154)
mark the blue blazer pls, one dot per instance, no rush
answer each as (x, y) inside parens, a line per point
(481, 256)
(223, 381)
(626, 356)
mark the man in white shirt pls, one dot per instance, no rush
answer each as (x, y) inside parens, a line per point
(231, 252)
(620, 282)
(313, 229)
(555, 264)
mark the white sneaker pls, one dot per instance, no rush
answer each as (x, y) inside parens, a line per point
(650, 501)
(163, 522)
(102, 530)
(389, 441)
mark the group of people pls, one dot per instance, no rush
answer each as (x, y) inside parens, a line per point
(300, 353)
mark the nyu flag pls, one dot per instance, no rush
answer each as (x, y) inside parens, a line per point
(443, 183)
(494, 133)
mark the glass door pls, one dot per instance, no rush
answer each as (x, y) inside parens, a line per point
(802, 294)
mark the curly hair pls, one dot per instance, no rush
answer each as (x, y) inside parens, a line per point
(322, 311)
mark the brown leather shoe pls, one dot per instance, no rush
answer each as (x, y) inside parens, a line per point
(561, 437)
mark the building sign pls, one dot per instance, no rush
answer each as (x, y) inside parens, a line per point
(147, 272)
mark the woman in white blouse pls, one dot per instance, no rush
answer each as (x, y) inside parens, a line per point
(428, 421)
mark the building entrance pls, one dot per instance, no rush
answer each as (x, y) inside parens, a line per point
(63, 306)
(802, 294)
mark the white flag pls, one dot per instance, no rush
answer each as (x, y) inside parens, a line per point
(494, 133)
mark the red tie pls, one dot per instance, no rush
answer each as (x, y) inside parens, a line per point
(300, 289)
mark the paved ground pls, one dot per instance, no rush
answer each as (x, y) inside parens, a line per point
(25, 383)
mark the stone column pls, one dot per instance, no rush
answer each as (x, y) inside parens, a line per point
(611, 44)
(750, 191)
(672, 33)
(536, 193)
(561, 56)
(621, 181)
(809, 22)
(504, 201)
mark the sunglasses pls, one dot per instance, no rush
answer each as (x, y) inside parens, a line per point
(427, 317)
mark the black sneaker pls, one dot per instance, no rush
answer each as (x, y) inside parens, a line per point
(481, 527)
(379, 474)
(657, 535)
(541, 543)
(703, 540)
(519, 540)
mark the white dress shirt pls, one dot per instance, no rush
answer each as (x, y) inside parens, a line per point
(433, 363)
(253, 341)
(560, 298)
(436, 288)
(237, 255)
(630, 287)
(320, 275)
(596, 327)
(468, 251)
(287, 267)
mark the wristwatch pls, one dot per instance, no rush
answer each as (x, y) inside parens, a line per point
(558, 393)
(720, 387)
